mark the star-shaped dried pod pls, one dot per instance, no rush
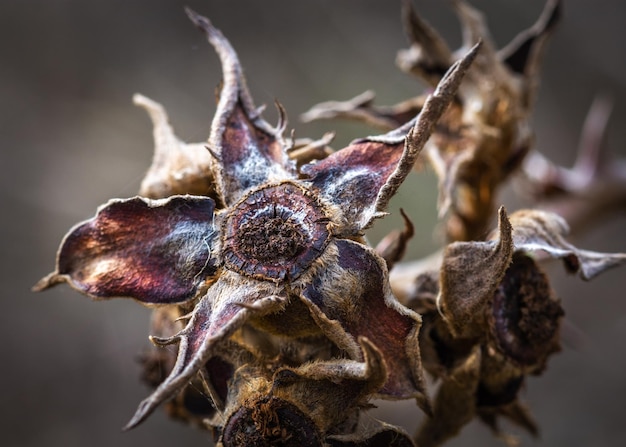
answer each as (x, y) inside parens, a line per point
(316, 404)
(285, 248)
(485, 134)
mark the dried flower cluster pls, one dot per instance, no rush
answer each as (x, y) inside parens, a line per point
(251, 250)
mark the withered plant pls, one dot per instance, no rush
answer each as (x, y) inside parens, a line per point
(251, 249)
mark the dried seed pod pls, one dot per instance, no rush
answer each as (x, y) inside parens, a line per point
(283, 249)
(490, 318)
(315, 404)
(485, 134)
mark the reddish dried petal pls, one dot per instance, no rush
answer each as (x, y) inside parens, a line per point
(250, 151)
(156, 251)
(362, 178)
(225, 308)
(355, 293)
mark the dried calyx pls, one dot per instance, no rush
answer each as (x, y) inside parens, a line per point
(279, 249)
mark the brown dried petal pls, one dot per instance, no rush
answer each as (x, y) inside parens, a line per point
(250, 151)
(225, 308)
(373, 168)
(470, 274)
(155, 251)
(177, 167)
(355, 293)
(542, 231)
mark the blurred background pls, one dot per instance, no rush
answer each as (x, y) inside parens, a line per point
(70, 139)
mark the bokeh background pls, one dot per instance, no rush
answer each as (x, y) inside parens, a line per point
(70, 139)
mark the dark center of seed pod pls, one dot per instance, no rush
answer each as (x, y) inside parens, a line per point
(275, 232)
(270, 422)
(526, 316)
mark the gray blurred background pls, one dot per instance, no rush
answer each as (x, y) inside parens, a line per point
(71, 139)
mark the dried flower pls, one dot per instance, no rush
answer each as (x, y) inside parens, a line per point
(485, 134)
(284, 254)
(491, 318)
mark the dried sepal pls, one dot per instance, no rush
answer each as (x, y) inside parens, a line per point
(177, 167)
(155, 251)
(543, 232)
(378, 165)
(226, 307)
(429, 55)
(251, 152)
(470, 274)
(355, 294)
(393, 246)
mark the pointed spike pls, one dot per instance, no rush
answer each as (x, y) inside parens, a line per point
(522, 54)
(429, 56)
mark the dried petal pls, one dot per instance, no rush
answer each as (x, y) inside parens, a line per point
(155, 251)
(373, 168)
(543, 231)
(355, 293)
(226, 307)
(249, 150)
(177, 167)
(470, 274)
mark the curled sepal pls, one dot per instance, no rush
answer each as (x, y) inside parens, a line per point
(250, 152)
(155, 251)
(376, 435)
(373, 168)
(225, 308)
(543, 231)
(352, 299)
(177, 167)
(393, 246)
(470, 274)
